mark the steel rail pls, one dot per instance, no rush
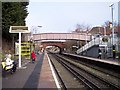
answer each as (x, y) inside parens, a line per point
(98, 68)
(109, 83)
(88, 83)
(59, 77)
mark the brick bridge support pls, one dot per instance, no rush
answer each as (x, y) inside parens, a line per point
(57, 44)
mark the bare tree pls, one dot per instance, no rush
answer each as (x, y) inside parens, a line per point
(106, 23)
(81, 28)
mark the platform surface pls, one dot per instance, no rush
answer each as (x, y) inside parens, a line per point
(46, 79)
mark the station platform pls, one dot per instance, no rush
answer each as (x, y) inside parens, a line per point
(38, 75)
(47, 77)
(104, 60)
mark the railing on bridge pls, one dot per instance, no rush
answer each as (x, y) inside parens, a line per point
(59, 36)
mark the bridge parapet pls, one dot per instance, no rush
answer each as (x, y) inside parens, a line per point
(59, 36)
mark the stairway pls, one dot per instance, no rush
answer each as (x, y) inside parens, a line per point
(96, 41)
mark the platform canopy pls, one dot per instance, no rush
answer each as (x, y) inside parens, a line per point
(17, 29)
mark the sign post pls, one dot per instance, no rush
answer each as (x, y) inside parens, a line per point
(19, 29)
(19, 49)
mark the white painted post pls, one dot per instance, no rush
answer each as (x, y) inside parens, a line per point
(104, 31)
(19, 49)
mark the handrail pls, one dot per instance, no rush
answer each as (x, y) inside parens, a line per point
(95, 41)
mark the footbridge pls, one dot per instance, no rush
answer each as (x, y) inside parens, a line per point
(58, 36)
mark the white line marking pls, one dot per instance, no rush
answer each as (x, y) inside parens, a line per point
(53, 73)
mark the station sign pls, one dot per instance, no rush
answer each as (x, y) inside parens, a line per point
(17, 29)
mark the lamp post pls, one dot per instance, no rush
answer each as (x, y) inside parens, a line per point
(39, 26)
(113, 46)
(112, 23)
(34, 29)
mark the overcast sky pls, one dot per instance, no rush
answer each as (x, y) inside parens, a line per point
(62, 17)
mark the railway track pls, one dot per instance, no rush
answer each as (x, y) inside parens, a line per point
(95, 66)
(66, 80)
(86, 75)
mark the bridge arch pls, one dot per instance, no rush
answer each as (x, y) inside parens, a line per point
(60, 45)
